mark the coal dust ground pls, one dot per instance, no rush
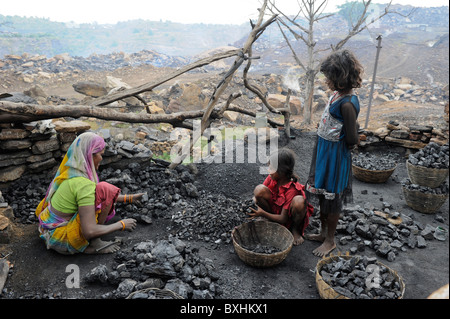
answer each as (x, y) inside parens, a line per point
(40, 273)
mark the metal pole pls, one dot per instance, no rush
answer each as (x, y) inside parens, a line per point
(373, 80)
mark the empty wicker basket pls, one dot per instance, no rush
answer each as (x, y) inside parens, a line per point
(265, 233)
(327, 292)
(372, 176)
(430, 177)
(423, 202)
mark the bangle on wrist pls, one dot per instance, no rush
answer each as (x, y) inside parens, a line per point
(123, 224)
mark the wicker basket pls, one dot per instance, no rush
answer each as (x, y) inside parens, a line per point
(372, 176)
(422, 202)
(327, 292)
(264, 233)
(159, 293)
(424, 176)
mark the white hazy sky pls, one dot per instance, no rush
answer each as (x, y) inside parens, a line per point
(184, 11)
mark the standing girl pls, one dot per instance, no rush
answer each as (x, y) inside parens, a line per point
(337, 134)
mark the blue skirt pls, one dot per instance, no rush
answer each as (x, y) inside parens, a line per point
(331, 173)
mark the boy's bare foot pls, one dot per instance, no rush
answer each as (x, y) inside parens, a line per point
(298, 238)
(98, 246)
(324, 249)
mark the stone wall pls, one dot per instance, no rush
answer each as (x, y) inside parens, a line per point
(39, 146)
(411, 137)
(35, 146)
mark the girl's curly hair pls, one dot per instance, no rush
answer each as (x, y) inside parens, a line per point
(343, 70)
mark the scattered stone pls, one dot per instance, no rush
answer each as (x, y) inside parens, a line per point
(169, 264)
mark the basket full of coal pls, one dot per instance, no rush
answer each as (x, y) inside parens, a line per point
(371, 168)
(429, 166)
(357, 277)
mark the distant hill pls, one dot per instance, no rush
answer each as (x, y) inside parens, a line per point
(49, 38)
(40, 36)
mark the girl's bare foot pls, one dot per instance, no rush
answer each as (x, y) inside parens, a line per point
(315, 237)
(298, 238)
(98, 246)
(324, 249)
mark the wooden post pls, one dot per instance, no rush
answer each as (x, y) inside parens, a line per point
(373, 81)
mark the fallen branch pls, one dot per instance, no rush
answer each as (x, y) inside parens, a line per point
(11, 112)
(151, 85)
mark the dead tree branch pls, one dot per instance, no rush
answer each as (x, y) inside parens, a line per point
(151, 85)
(11, 112)
(257, 29)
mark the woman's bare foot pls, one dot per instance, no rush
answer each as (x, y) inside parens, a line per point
(298, 238)
(98, 246)
(324, 249)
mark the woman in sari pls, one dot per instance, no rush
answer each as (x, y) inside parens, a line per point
(74, 211)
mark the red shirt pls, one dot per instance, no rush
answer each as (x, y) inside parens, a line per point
(282, 197)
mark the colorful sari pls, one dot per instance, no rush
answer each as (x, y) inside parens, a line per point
(106, 194)
(59, 234)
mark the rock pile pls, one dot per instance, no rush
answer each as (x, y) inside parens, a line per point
(442, 189)
(385, 231)
(263, 249)
(432, 156)
(396, 89)
(412, 136)
(166, 264)
(210, 218)
(33, 68)
(361, 278)
(171, 194)
(375, 162)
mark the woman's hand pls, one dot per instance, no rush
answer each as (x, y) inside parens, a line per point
(130, 224)
(136, 198)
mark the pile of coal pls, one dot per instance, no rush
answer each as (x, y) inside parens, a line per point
(442, 189)
(367, 228)
(361, 278)
(210, 218)
(375, 162)
(431, 156)
(165, 264)
(263, 249)
(164, 189)
(24, 199)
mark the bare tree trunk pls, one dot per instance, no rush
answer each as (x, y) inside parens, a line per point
(257, 30)
(312, 11)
